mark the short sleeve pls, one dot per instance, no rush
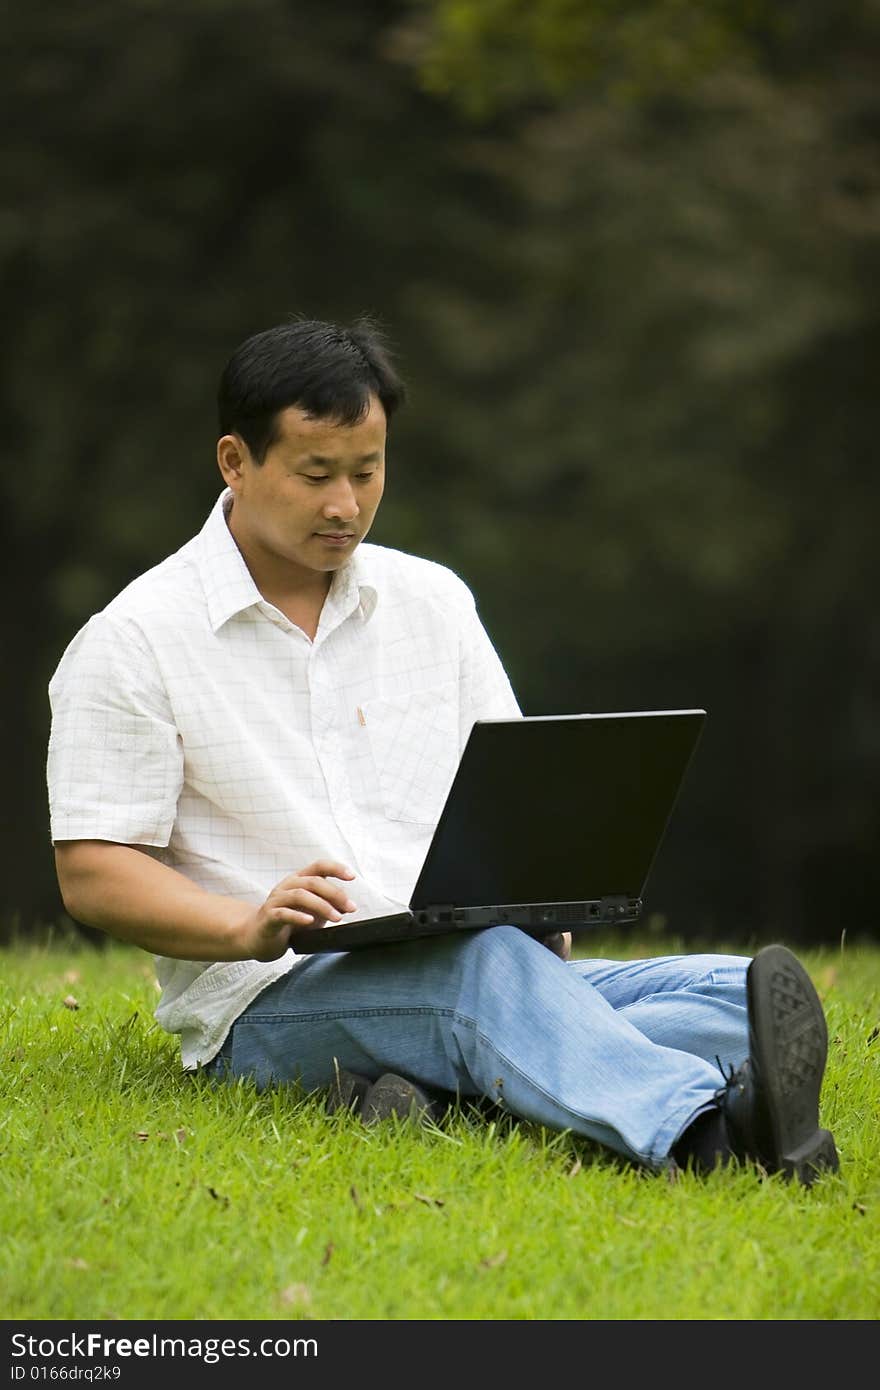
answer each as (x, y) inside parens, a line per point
(486, 692)
(115, 761)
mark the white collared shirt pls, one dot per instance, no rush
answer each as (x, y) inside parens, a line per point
(192, 717)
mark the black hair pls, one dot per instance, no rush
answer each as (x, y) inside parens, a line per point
(328, 370)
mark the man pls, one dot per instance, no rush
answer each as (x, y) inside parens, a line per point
(260, 732)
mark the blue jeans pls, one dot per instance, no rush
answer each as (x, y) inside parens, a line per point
(626, 1053)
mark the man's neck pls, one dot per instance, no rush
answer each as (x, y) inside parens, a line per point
(296, 592)
(300, 601)
(304, 612)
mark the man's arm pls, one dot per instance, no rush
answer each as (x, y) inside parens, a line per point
(123, 891)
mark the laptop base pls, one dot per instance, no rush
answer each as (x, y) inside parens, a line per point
(444, 919)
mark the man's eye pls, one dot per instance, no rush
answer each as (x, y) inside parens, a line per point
(364, 477)
(315, 477)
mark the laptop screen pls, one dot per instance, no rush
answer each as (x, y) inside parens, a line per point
(558, 808)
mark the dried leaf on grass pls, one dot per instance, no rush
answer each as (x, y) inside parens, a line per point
(492, 1261)
(296, 1296)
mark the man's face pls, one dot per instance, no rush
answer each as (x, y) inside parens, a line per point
(313, 499)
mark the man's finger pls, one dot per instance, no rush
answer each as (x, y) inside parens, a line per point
(558, 942)
(322, 888)
(279, 917)
(301, 900)
(326, 868)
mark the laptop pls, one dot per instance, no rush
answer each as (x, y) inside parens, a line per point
(552, 822)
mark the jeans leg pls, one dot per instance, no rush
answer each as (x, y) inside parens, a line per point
(696, 1002)
(490, 1013)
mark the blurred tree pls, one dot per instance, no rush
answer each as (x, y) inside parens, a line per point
(692, 437)
(494, 55)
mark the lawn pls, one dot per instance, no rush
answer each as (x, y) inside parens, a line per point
(130, 1191)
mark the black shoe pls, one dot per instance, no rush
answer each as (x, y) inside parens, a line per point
(771, 1103)
(347, 1091)
(394, 1096)
(705, 1144)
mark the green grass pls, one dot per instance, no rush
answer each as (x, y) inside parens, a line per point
(128, 1190)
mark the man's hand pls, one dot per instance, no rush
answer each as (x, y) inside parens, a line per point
(123, 890)
(559, 942)
(301, 899)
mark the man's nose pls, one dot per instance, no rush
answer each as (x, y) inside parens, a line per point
(342, 502)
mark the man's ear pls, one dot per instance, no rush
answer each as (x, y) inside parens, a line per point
(232, 453)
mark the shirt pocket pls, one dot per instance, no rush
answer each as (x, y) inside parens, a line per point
(414, 742)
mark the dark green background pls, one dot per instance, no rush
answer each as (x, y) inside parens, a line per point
(628, 261)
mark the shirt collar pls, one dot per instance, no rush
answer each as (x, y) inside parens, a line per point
(229, 588)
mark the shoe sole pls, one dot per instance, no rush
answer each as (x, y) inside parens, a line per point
(789, 1045)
